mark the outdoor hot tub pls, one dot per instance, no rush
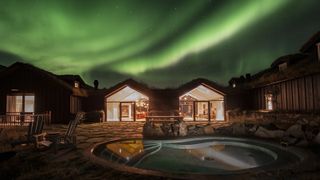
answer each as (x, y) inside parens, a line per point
(202, 156)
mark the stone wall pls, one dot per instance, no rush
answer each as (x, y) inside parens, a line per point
(265, 117)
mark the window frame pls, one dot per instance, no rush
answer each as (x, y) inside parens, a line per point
(23, 108)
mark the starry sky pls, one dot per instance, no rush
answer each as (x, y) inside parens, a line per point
(163, 43)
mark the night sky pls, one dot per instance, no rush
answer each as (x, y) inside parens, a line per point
(163, 43)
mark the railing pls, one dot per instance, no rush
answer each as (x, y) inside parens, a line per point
(17, 119)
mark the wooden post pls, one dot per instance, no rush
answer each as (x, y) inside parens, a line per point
(120, 117)
(194, 111)
(134, 111)
(209, 111)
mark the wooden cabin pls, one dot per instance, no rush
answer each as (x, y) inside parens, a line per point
(26, 89)
(198, 100)
(290, 85)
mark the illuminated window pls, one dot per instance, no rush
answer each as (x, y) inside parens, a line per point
(233, 84)
(269, 102)
(76, 84)
(29, 104)
(17, 104)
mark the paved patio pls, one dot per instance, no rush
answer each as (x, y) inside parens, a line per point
(34, 164)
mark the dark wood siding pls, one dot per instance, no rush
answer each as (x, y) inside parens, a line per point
(49, 96)
(295, 95)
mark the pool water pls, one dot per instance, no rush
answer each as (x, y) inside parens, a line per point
(206, 155)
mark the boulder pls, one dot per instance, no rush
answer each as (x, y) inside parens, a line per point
(166, 129)
(196, 131)
(302, 121)
(317, 139)
(289, 140)
(183, 129)
(225, 130)
(310, 132)
(270, 126)
(265, 133)
(208, 129)
(148, 129)
(238, 129)
(191, 127)
(157, 131)
(295, 131)
(302, 142)
(313, 123)
(251, 128)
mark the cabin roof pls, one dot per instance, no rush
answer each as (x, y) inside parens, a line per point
(46, 74)
(200, 81)
(138, 86)
(70, 79)
(301, 68)
(311, 42)
(290, 59)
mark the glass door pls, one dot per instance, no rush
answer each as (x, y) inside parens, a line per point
(202, 110)
(127, 111)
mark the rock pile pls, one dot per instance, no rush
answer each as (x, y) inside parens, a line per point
(301, 133)
(175, 129)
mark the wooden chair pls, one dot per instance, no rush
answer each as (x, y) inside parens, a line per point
(35, 128)
(68, 139)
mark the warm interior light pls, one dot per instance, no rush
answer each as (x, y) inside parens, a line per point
(76, 84)
(269, 103)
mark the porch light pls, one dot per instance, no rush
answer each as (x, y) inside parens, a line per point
(76, 84)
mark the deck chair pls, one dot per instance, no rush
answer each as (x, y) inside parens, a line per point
(68, 139)
(35, 128)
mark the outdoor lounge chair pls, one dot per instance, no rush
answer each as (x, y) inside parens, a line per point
(35, 128)
(68, 139)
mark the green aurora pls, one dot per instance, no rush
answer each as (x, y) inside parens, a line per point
(161, 42)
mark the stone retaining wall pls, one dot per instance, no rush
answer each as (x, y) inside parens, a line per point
(264, 117)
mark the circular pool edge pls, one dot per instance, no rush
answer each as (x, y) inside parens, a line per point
(302, 154)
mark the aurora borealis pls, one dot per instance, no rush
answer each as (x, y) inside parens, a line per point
(161, 42)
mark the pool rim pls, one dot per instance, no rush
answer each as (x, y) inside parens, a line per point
(302, 154)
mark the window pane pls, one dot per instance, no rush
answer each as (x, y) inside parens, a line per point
(141, 109)
(217, 110)
(186, 109)
(127, 111)
(202, 111)
(113, 111)
(14, 104)
(28, 104)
